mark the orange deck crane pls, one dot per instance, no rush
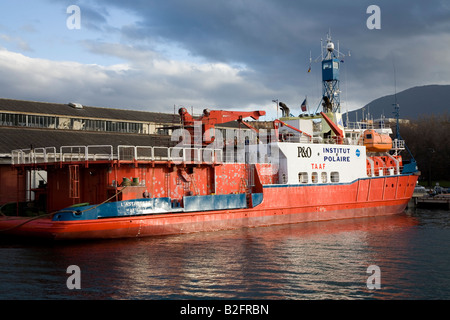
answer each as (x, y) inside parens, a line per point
(209, 119)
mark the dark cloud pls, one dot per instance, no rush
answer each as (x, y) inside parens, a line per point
(275, 38)
(253, 51)
(94, 18)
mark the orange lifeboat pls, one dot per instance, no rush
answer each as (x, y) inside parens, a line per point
(376, 142)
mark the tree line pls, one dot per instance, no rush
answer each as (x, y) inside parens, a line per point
(428, 140)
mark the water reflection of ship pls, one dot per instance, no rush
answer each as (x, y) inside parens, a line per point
(289, 261)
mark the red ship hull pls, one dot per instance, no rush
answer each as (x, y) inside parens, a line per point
(281, 205)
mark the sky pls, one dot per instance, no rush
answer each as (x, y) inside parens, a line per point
(237, 55)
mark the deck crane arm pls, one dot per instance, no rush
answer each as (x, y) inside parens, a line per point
(278, 123)
(210, 119)
(337, 131)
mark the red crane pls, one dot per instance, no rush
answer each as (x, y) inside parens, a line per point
(210, 119)
(337, 131)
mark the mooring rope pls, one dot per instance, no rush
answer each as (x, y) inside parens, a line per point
(26, 221)
(107, 200)
(49, 214)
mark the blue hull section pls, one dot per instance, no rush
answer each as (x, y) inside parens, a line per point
(137, 207)
(215, 202)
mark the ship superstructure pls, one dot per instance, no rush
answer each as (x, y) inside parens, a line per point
(297, 169)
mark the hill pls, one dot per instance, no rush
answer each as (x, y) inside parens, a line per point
(414, 103)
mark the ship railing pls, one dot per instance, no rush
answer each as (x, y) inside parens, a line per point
(73, 153)
(65, 154)
(297, 138)
(359, 125)
(398, 144)
(250, 156)
(364, 125)
(210, 155)
(80, 153)
(384, 171)
(229, 157)
(174, 154)
(20, 156)
(86, 153)
(335, 140)
(186, 155)
(160, 153)
(42, 155)
(34, 155)
(99, 152)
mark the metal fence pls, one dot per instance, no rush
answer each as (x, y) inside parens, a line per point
(121, 153)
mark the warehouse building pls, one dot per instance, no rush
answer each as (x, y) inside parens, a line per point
(32, 125)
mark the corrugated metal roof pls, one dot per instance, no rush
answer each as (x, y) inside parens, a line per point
(22, 138)
(86, 112)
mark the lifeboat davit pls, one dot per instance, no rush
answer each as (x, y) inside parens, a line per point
(376, 142)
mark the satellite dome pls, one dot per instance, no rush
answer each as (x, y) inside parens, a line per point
(330, 46)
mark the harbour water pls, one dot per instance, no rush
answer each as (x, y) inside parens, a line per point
(322, 260)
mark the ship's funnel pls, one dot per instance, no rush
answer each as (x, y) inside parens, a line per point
(285, 109)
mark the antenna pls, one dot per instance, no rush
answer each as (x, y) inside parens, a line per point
(396, 106)
(395, 80)
(338, 49)
(397, 113)
(321, 48)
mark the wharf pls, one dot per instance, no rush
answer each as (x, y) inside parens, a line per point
(425, 201)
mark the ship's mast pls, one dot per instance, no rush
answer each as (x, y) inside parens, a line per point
(330, 61)
(396, 108)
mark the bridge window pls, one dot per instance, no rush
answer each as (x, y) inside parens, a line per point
(324, 177)
(334, 176)
(303, 177)
(314, 177)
